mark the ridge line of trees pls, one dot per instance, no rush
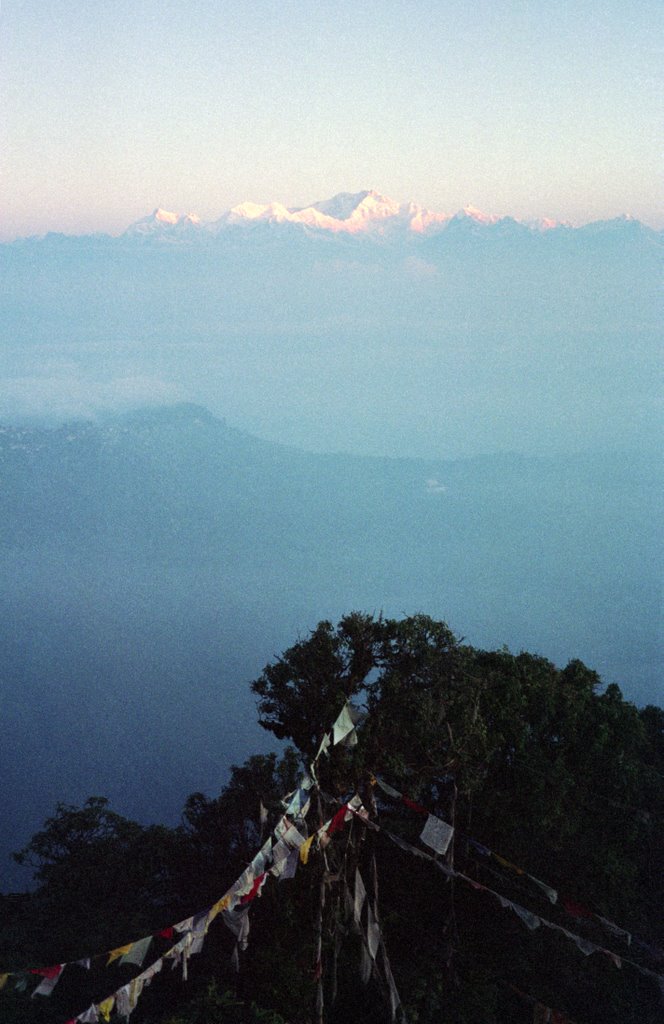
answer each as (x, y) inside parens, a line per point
(537, 762)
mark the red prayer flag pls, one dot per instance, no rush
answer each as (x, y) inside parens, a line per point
(254, 889)
(47, 972)
(165, 933)
(338, 821)
(576, 909)
(413, 806)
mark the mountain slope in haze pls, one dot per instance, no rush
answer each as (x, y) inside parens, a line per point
(152, 564)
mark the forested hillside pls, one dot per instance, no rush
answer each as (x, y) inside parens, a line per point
(455, 835)
(151, 564)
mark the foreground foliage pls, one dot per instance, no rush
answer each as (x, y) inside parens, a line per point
(535, 762)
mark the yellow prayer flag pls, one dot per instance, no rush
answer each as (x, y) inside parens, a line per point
(104, 1008)
(221, 905)
(305, 848)
(3, 981)
(117, 953)
(508, 864)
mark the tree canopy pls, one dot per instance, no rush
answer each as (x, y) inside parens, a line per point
(551, 783)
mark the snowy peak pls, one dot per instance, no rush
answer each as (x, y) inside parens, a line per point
(164, 222)
(271, 212)
(165, 217)
(341, 206)
(472, 213)
(347, 212)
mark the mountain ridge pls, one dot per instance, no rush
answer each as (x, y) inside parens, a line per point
(368, 214)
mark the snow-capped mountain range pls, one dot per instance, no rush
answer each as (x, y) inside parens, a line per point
(368, 213)
(362, 216)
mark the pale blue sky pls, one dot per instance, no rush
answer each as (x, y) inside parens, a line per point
(527, 107)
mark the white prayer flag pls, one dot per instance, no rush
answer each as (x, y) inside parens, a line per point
(89, 1016)
(137, 953)
(48, 984)
(373, 932)
(388, 789)
(360, 896)
(345, 724)
(551, 893)
(290, 865)
(529, 919)
(437, 834)
(325, 744)
(184, 926)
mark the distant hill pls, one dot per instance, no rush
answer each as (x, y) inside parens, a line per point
(151, 564)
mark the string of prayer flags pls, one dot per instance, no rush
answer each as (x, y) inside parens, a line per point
(284, 849)
(291, 846)
(532, 921)
(484, 851)
(193, 929)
